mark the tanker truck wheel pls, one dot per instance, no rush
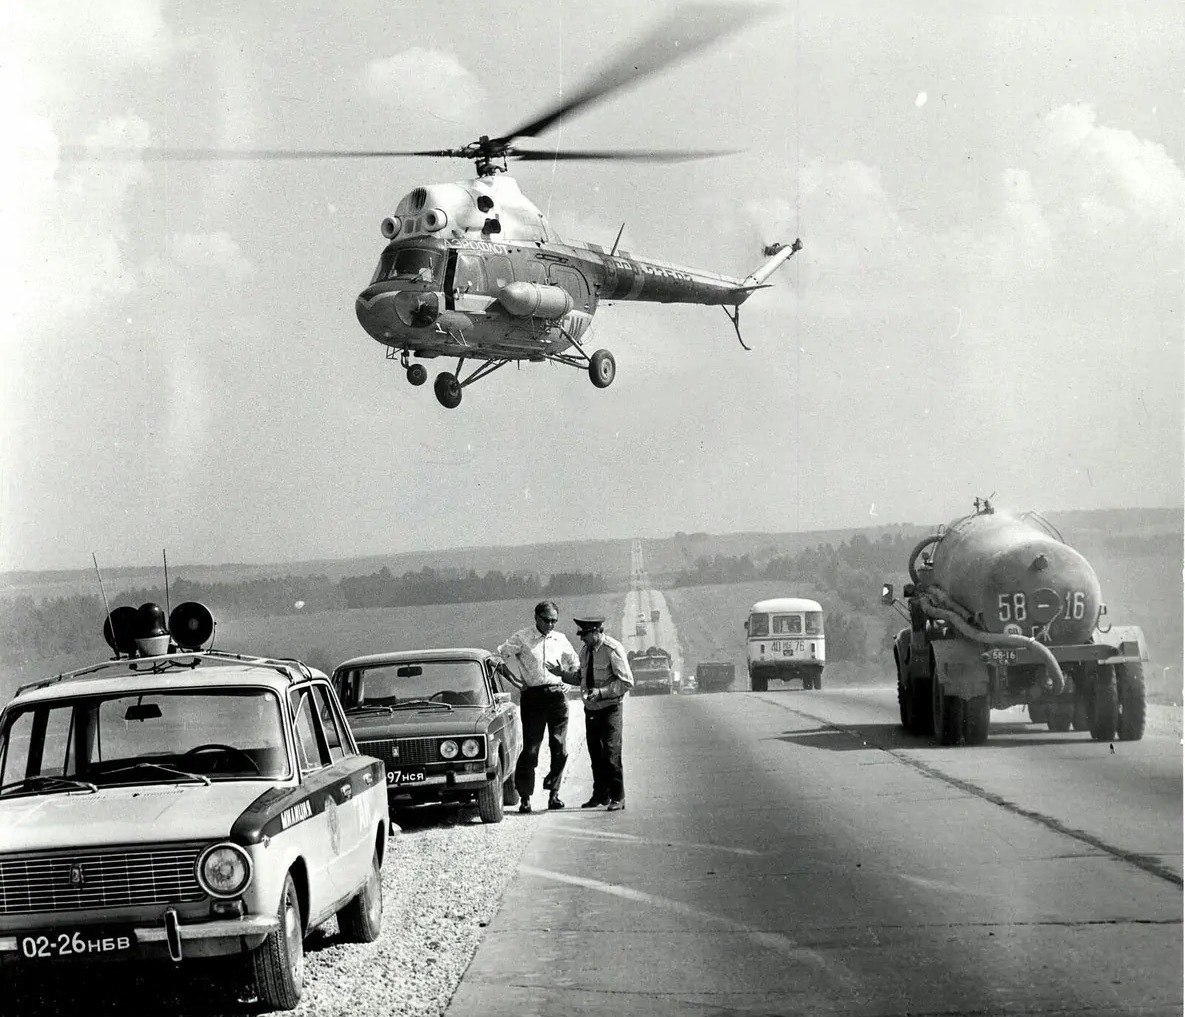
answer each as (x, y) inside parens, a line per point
(948, 713)
(1081, 713)
(902, 694)
(1105, 716)
(977, 719)
(1132, 702)
(1038, 713)
(1059, 717)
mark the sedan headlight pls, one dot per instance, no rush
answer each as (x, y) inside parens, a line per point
(470, 748)
(448, 749)
(224, 870)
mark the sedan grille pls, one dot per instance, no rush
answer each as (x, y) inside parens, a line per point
(93, 880)
(399, 752)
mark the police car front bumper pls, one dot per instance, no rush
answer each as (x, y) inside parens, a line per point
(173, 938)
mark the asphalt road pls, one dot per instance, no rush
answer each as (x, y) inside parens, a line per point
(793, 852)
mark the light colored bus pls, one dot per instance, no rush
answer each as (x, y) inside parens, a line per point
(785, 642)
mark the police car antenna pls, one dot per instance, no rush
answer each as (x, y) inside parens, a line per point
(168, 606)
(106, 606)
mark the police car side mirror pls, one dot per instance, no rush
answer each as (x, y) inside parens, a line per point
(501, 698)
(746, 625)
(887, 593)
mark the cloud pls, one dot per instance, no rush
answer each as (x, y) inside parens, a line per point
(215, 253)
(426, 81)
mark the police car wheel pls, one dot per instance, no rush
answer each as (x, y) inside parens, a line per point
(278, 965)
(361, 919)
(489, 799)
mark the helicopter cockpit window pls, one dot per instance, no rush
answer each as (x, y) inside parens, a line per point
(415, 265)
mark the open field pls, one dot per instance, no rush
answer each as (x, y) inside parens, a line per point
(326, 638)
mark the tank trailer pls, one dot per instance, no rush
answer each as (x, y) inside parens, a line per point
(1003, 612)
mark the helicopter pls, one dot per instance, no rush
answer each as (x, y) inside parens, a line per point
(474, 270)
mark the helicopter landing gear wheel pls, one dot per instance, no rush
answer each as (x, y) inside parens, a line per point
(417, 374)
(448, 390)
(602, 368)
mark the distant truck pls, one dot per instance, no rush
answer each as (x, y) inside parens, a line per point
(715, 675)
(653, 675)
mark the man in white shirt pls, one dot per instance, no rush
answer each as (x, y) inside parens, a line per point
(543, 654)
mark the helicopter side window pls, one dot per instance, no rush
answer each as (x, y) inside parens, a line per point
(499, 270)
(571, 281)
(415, 264)
(469, 277)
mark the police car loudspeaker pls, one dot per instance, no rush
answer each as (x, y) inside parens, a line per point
(119, 629)
(191, 624)
(152, 638)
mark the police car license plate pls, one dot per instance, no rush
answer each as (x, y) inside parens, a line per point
(75, 943)
(397, 778)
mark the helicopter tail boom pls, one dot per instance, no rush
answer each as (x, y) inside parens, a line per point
(777, 255)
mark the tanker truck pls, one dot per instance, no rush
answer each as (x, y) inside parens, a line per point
(1003, 612)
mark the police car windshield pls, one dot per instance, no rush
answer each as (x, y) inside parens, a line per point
(452, 682)
(182, 735)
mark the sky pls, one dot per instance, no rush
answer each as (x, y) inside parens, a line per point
(991, 199)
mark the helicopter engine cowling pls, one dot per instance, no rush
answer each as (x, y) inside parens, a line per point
(535, 300)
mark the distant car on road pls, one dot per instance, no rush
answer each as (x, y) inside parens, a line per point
(184, 804)
(443, 722)
(715, 675)
(652, 672)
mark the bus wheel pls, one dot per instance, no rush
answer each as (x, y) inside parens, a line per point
(758, 683)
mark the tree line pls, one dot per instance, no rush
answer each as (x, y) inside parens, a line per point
(34, 630)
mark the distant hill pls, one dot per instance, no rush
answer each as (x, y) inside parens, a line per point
(1088, 530)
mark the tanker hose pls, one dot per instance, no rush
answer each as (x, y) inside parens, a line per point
(945, 609)
(934, 538)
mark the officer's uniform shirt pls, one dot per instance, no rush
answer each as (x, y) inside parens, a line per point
(611, 673)
(533, 649)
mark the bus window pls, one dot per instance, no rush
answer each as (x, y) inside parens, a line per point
(758, 625)
(787, 624)
(814, 623)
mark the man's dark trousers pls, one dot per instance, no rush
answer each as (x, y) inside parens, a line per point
(603, 731)
(542, 707)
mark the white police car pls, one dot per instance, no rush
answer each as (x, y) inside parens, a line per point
(174, 803)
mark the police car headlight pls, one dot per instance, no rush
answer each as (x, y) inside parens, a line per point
(224, 870)
(470, 748)
(448, 749)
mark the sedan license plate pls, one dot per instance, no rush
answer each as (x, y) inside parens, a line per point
(75, 943)
(397, 778)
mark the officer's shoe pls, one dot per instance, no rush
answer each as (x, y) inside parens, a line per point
(553, 802)
(524, 805)
(593, 803)
(615, 806)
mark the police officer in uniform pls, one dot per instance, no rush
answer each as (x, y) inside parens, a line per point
(605, 680)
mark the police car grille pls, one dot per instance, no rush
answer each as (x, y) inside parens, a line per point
(404, 751)
(82, 881)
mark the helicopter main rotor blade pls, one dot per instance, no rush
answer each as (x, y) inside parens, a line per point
(84, 153)
(688, 28)
(532, 155)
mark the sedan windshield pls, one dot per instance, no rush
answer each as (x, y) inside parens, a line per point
(450, 682)
(181, 736)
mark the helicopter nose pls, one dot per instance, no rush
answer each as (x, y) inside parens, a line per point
(417, 310)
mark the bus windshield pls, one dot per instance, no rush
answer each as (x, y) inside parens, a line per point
(814, 623)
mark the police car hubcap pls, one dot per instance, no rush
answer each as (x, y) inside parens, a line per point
(295, 947)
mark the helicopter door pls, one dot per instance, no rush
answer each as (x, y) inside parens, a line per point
(465, 283)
